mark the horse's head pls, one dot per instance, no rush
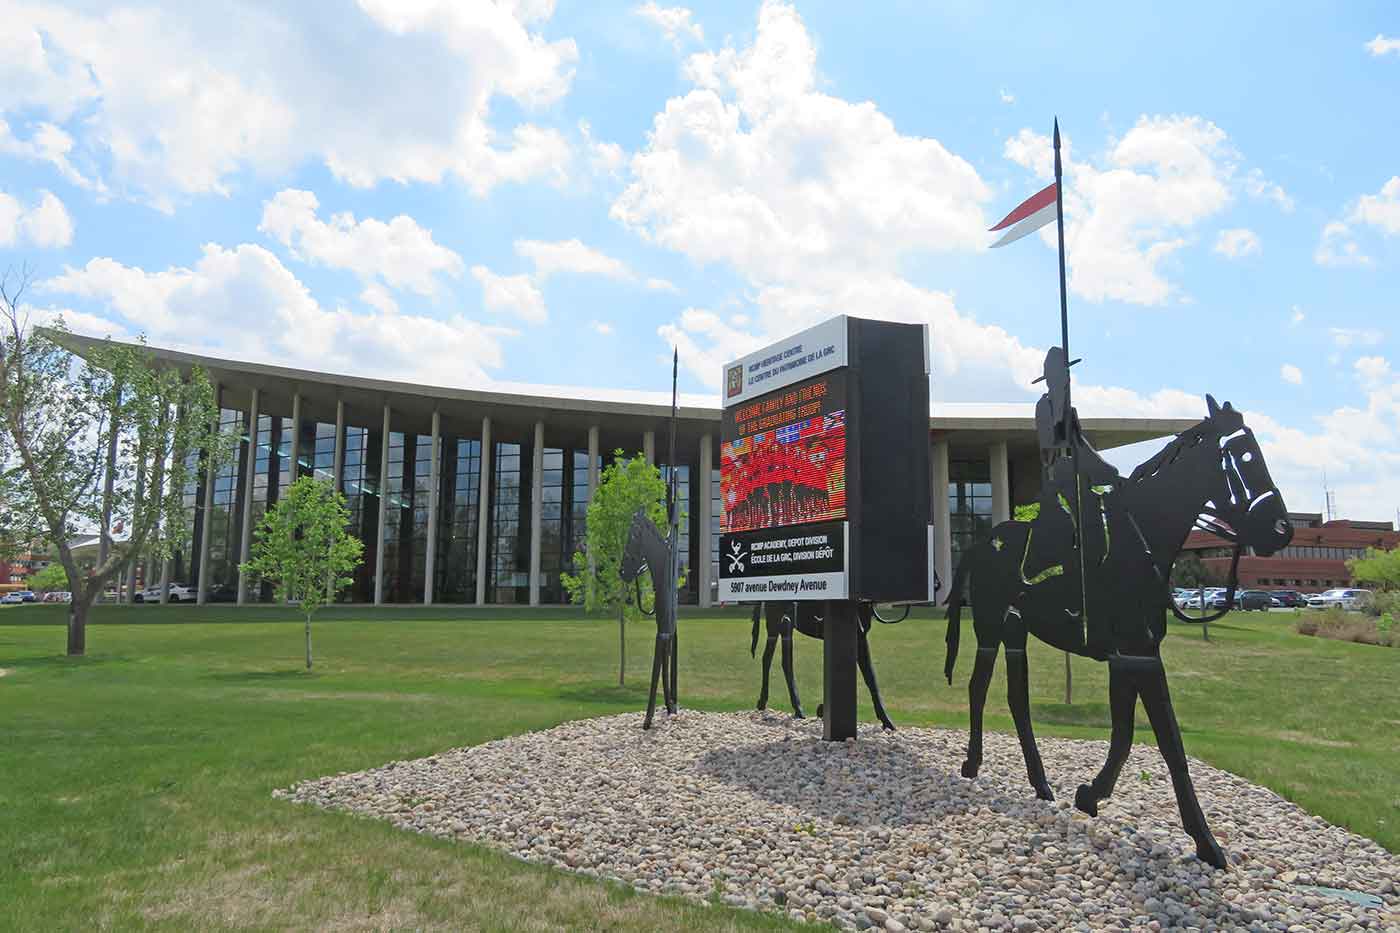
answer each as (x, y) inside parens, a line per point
(1246, 502)
(633, 554)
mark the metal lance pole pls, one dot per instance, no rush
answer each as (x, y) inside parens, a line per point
(1074, 446)
(673, 568)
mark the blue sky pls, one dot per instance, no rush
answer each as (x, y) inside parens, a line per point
(478, 194)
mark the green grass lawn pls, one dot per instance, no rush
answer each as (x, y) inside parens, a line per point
(135, 782)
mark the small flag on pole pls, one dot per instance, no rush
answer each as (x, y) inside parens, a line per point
(1032, 214)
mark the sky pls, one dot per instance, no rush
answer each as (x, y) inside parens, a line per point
(492, 194)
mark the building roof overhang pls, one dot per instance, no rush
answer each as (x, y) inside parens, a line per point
(570, 411)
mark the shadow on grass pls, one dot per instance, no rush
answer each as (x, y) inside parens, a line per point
(633, 693)
(256, 677)
(64, 663)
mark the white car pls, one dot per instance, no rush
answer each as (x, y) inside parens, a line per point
(1341, 598)
(179, 593)
(11, 599)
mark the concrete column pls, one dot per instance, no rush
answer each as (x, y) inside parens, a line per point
(339, 460)
(942, 517)
(383, 509)
(1001, 483)
(649, 446)
(293, 451)
(250, 469)
(703, 525)
(202, 585)
(592, 461)
(536, 512)
(483, 510)
(434, 477)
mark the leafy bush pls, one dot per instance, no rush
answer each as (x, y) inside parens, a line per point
(1348, 626)
(1383, 603)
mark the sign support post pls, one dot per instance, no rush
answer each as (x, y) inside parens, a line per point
(839, 650)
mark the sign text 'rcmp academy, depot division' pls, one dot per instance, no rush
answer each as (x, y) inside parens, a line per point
(801, 562)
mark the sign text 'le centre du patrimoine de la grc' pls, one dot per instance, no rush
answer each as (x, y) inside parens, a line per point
(824, 466)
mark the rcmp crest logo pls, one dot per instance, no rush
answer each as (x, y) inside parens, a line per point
(733, 381)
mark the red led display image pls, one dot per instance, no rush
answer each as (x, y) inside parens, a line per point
(794, 474)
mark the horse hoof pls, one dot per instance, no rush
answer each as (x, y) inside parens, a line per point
(1043, 792)
(887, 725)
(969, 770)
(762, 705)
(1211, 853)
(798, 714)
(1085, 801)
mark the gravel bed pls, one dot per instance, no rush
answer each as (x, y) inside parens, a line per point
(754, 810)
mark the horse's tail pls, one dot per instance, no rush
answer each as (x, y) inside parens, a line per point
(753, 644)
(954, 604)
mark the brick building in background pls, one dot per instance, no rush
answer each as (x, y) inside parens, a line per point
(1315, 560)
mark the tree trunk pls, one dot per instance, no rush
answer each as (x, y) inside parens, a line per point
(77, 627)
(1069, 683)
(621, 646)
(308, 642)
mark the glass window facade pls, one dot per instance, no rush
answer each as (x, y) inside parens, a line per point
(405, 537)
(508, 562)
(222, 512)
(455, 564)
(969, 503)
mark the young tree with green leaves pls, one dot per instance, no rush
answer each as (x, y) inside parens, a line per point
(52, 579)
(624, 487)
(79, 435)
(301, 544)
(1377, 568)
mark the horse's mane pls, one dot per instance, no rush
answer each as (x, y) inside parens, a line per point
(1174, 448)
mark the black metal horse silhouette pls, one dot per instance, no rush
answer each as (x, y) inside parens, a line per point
(1133, 533)
(647, 550)
(783, 618)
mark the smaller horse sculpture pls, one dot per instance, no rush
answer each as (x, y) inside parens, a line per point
(647, 550)
(783, 618)
(1215, 470)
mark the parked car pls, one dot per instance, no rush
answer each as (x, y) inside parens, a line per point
(1342, 598)
(1254, 599)
(58, 596)
(221, 593)
(11, 599)
(1289, 598)
(27, 596)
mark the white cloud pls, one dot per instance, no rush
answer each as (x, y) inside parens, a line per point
(1337, 248)
(207, 307)
(1296, 317)
(571, 256)
(1237, 243)
(400, 253)
(379, 297)
(1257, 186)
(1007, 97)
(1291, 374)
(673, 21)
(757, 168)
(1383, 45)
(662, 285)
(601, 327)
(512, 294)
(1381, 210)
(1355, 336)
(1126, 216)
(45, 225)
(1372, 370)
(173, 99)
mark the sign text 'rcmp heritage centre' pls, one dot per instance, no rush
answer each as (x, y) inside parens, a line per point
(824, 466)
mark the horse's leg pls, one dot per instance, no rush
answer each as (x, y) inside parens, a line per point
(1018, 697)
(867, 670)
(1152, 686)
(675, 705)
(768, 648)
(788, 673)
(1122, 701)
(982, 668)
(658, 654)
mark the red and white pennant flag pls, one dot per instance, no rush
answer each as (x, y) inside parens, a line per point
(1033, 213)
